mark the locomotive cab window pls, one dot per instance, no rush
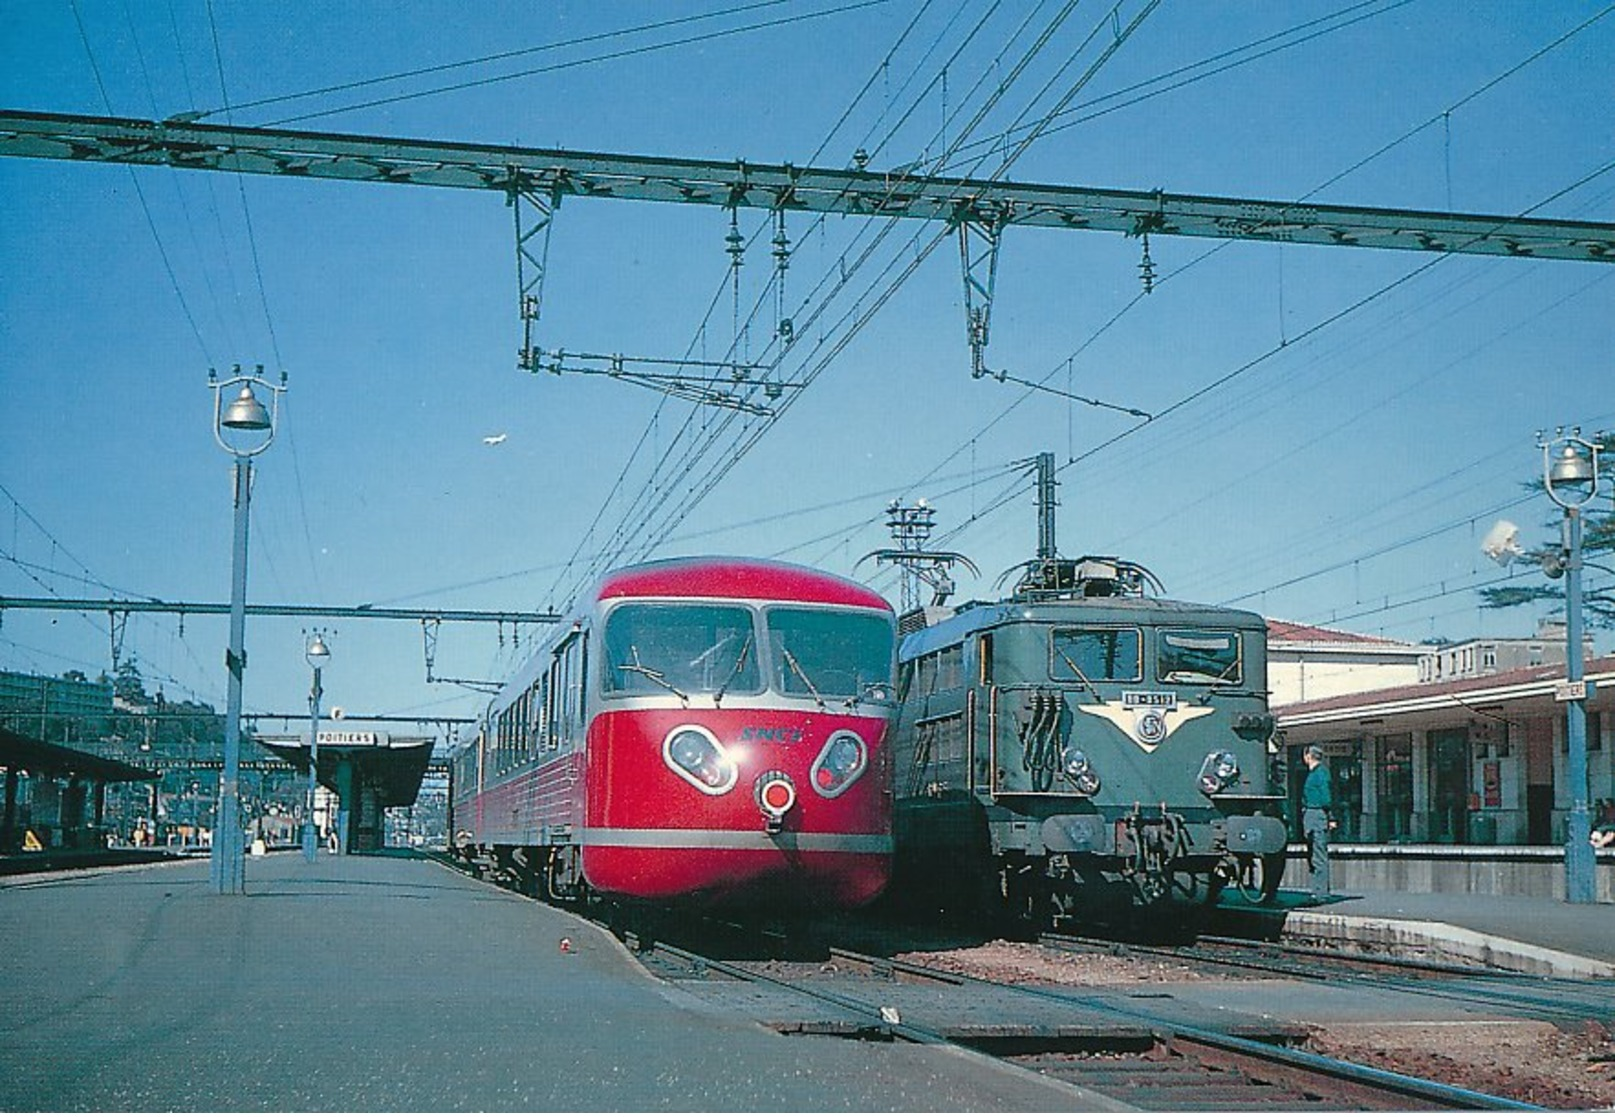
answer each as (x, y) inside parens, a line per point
(1096, 654)
(660, 648)
(1191, 655)
(820, 652)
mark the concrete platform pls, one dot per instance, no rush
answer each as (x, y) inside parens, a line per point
(1542, 936)
(390, 984)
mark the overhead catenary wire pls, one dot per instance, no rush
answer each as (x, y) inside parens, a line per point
(611, 56)
(140, 194)
(861, 312)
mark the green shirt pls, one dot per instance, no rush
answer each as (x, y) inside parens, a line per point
(1315, 792)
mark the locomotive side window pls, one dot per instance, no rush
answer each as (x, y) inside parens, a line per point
(819, 652)
(1091, 654)
(1191, 655)
(657, 648)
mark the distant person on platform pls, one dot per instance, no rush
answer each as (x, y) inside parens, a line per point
(1317, 803)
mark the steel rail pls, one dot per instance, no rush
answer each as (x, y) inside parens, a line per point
(1401, 1086)
(1352, 1073)
(1520, 995)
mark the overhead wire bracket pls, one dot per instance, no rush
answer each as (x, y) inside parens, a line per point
(979, 236)
(118, 622)
(534, 215)
(717, 383)
(429, 629)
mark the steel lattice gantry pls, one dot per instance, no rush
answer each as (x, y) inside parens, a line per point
(557, 174)
(980, 208)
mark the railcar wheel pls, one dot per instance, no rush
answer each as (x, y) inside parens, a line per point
(1259, 877)
(1272, 875)
(1199, 888)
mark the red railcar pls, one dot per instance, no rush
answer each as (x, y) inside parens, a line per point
(709, 731)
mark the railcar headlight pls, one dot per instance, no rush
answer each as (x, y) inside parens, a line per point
(695, 755)
(840, 763)
(1218, 771)
(1075, 765)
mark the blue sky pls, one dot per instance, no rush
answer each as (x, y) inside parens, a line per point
(1345, 478)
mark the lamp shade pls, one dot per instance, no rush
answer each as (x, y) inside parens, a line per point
(318, 655)
(1571, 467)
(245, 413)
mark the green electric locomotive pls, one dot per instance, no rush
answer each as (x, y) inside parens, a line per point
(1079, 742)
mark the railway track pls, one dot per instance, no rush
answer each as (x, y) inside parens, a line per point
(1556, 1000)
(1123, 1047)
(1133, 1050)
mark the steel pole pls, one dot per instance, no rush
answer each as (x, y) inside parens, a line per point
(227, 862)
(1579, 860)
(310, 842)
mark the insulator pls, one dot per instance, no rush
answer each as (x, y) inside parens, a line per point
(1146, 268)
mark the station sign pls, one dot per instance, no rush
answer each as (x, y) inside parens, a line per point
(1578, 691)
(351, 737)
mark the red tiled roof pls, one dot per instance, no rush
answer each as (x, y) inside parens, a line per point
(1313, 634)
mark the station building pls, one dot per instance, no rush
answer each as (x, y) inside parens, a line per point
(1474, 760)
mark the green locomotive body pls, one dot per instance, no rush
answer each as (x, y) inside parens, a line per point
(1079, 738)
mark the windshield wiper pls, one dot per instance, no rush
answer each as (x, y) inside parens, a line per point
(734, 672)
(655, 676)
(801, 674)
(1077, 671)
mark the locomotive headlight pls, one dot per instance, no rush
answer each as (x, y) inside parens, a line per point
(840, 763)
(695, 755)
(1075, 765)
(1218, 771)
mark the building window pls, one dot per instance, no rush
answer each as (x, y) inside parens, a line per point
(1595, 732)
(1395, 754)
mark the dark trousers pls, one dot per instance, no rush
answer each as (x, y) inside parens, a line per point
(1315, 828)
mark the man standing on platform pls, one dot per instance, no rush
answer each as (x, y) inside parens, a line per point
(1317, 801)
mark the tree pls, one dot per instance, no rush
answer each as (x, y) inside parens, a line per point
(128, 685)
(1597, 550)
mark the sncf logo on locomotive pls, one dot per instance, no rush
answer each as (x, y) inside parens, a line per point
(1147, 717)
(784, 735)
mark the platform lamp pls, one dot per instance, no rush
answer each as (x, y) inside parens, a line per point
(244, 428)
(1570, 474)
(318, 655)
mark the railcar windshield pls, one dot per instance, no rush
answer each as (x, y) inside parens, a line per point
(662, 647)
(1096, 654)
(1193, 655)
(824, 652)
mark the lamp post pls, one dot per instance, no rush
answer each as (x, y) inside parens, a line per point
(244, 429)
(318, 655)
(1570, 474)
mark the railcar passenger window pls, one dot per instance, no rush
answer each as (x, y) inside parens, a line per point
(659, 648)
(820, 652)
(1188, 655)
(1096, 654)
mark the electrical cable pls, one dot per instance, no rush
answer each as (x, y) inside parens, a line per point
(402, 75)
(145, 208)
(613, 56)
(682, 508)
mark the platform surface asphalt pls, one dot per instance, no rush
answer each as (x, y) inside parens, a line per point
(391, 984)
(1550, 937)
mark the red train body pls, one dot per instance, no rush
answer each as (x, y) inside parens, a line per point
(706, 731)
